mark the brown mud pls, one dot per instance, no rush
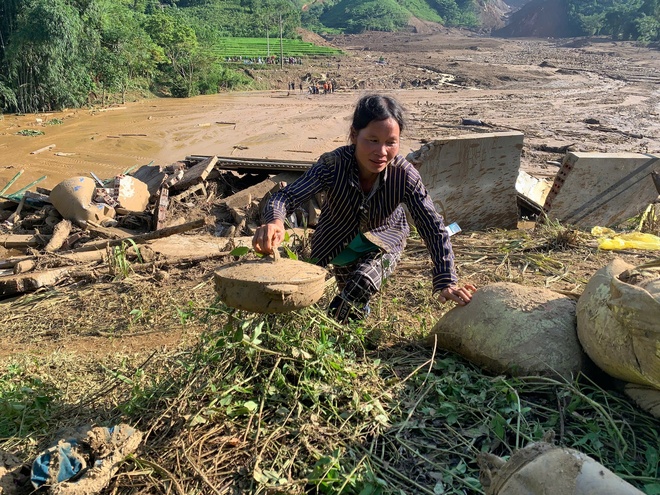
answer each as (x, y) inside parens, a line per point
(545, 88)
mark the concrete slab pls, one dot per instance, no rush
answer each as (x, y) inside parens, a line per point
(244, 197)
(472, 179)
(534, 189)
(602, 189)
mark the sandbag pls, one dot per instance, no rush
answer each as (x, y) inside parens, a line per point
(543, 468)
(619, 324)
(510, 328)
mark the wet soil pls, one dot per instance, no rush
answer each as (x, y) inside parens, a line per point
(545, 88)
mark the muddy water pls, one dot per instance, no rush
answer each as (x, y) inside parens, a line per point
(108, 142)
(267, 124)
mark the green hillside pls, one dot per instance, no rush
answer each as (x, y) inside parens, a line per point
(262, 47)
(64, 53)
(355, 16)
(366, 15)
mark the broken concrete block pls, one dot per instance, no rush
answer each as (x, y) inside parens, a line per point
(73, 200)
(131, 194)
(196, 174)
(152, 175)
(533, 189)
(602, 189)
(473, 178)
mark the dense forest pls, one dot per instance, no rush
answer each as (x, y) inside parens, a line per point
(620, 19)
(62, 53)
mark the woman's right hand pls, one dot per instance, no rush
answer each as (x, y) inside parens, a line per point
(268, 237)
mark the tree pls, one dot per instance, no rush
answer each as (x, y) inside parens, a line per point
(180, 47)
(46, 57)
(125, 54)
(648, 28)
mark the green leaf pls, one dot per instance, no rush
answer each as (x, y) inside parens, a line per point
(240, 251)
(652, 489)
(251, 406)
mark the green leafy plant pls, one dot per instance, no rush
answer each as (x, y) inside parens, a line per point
(30, 132)
(26, 402)
(120, 265)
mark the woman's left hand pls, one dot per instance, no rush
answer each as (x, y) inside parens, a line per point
(460, 295)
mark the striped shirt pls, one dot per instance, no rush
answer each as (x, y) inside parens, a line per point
(377, 214)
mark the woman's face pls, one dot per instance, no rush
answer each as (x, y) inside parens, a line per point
(375, 146)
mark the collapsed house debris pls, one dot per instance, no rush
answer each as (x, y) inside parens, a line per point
(476, 182)
(603, 189)
(65, 233)
(472, 178)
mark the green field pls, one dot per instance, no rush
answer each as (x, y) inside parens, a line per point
(258, 47)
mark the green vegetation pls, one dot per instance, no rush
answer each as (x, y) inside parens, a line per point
(262, 47)
(366, 15)
(387, 15)
(30, 132)
(25, 402)
(296, 403)
(621, 19)
(68, 53)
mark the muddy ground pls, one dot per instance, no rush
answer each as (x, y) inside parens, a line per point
(545, 88)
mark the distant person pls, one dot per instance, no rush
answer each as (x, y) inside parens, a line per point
(362, 229)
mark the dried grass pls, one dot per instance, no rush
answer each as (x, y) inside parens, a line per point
(296, 403)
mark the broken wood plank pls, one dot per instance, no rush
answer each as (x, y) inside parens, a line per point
(132, 135)
(180, 261)
(24, 266)
(196, 173)
(160, 211)
(104, 232)
(140, 238)
(22, 241)
(60, 234)
(41, 150)
(28, 282)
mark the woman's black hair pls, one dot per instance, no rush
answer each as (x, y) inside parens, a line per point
(376, 107)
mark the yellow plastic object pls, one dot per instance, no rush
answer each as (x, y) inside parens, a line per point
(631, 240)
